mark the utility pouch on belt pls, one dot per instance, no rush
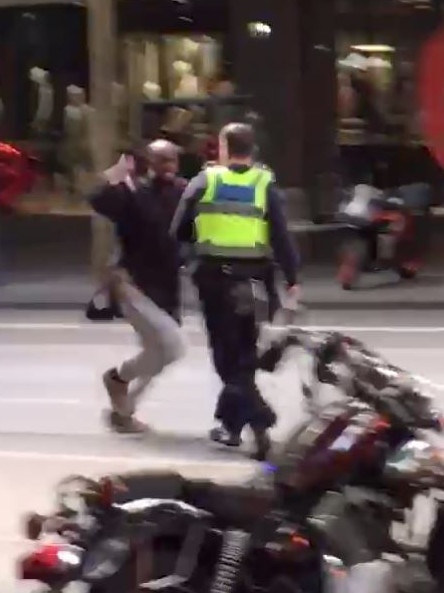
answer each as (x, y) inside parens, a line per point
(243, 297)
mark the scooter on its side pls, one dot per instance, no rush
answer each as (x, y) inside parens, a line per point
(386, 229)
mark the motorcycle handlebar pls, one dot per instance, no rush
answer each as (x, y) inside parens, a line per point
(395, 399)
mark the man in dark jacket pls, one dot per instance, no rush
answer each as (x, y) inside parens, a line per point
(147, 280)
(233, 214)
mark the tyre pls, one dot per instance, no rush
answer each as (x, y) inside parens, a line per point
(150, 564)
(137, 569)
(352, 259)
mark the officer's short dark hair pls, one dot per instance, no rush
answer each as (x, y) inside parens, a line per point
(240, 139)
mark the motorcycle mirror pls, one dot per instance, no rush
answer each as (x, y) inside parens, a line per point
(109, 486)
(33, 526)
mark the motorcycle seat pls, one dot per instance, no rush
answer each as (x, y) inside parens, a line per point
(232, 505)
(146, 484)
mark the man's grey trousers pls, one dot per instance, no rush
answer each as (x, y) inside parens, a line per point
(159, 335)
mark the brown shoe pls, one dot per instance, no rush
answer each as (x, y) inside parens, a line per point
(117, 392)
(126, 424)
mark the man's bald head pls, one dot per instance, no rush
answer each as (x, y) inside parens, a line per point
(164, 158)
(163, 147)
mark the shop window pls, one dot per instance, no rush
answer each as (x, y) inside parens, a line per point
(176, 90)
(378, 44)
(377, 50)
(44, 101)
(169, 66)
(370, 82)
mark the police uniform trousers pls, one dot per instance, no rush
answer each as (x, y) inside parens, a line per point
(227, 299)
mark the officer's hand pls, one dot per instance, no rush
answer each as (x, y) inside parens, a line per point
(294, 292)
(293, 296)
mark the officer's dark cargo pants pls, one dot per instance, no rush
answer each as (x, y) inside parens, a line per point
(228, 307)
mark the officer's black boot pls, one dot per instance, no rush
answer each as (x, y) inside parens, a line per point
(219, 434)
(230, 414)
(263, 444)
(264, 418)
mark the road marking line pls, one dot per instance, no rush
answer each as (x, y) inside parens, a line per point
(119, 328)
(116, 327)
(14, 539)
(374, 329)
(149, 462)
(42, 401)
(122, 328)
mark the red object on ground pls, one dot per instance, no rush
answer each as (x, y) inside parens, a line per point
(431, 94)
(17, 174)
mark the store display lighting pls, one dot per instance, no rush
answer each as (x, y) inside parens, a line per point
(373, 47)
(419, 4)
(258, 29)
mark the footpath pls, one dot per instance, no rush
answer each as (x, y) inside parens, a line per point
(384, 291)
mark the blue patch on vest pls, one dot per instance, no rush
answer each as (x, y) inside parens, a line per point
(234, 193)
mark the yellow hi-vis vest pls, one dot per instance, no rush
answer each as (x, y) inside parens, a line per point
(230, 220)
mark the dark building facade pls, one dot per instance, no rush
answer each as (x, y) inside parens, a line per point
(330, 85)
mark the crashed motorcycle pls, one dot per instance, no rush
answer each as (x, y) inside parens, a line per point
(324, 505)
(384, 232)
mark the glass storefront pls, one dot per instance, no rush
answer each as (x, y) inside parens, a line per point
(163, 77)
(378, 127)
(164, 83)
(180, 73)
(174, 86)
(44, 101)
(170, 80)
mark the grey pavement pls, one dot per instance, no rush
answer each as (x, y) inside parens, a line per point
(62, 289)
(51, 402)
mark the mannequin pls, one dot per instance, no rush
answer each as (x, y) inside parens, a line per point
(188, 84)
(151, 91)
(77, 125)
(380, 74)
(45, 99)
(189, 50)
(41, 108)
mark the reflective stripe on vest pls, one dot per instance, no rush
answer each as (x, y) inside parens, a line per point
(256, 252)
(231, 208)
(231, 214)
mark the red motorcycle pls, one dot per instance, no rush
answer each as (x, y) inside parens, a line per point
(323, 506)
(384, 232)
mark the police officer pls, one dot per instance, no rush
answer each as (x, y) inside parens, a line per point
(233, 214)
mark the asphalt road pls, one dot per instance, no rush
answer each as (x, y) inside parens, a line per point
(51, 403)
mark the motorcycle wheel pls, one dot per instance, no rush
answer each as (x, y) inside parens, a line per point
(351, 263)
(139, 570)
(127, 579)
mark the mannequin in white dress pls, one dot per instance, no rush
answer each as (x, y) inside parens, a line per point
(77, 138)
(188, 84)
(45, 100)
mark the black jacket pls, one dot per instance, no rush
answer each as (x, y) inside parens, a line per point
(142, 220)
(284, 248)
